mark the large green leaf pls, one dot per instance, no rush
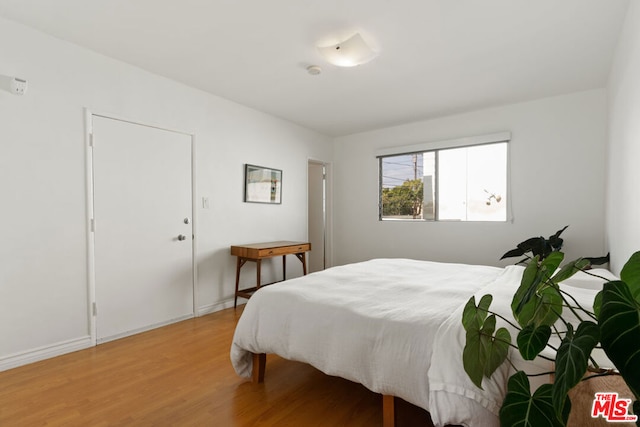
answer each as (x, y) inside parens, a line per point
(474, 315)
(570, 269)
(599, 260)
(597, 304)
(551, 263)
(555, 241)
(532, 340)
(498, 350)
(572, 359)
(534, 276)
(483, 352)
(630, 275)
(619, 322)
(528, 284)
(521, 409)
(544, 308)
(513, 252)
(536, 245)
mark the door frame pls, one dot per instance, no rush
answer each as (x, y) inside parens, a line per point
(89, 176)
(328, 213)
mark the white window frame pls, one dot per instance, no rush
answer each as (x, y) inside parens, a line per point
(443, 145)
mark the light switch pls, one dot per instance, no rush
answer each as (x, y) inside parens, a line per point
(205, 203)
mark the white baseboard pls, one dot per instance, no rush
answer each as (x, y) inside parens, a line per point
(143, 329)
(212, 308)
(45, 352)
(58, 349)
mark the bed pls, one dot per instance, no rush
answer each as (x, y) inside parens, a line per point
(392, 325)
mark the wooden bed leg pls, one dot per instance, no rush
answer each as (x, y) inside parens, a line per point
(259, 364)
(388, 411)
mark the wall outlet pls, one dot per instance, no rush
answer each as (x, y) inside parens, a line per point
(13, 85)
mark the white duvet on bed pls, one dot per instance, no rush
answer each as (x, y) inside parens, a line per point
(454, 399)
(370, 322)
(393, 325)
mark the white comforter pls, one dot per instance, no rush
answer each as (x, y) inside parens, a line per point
(393, 325)
(453, 398)
(374, 322)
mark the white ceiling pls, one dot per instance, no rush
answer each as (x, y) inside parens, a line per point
(437, 57)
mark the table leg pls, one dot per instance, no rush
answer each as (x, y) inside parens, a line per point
(284, 267)
(303, 259)
(239, 265)
(304, 263)
(258, 268)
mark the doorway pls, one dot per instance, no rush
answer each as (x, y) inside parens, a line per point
(317, 215)
(141, 214)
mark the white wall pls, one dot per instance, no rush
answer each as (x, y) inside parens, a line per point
(558, 153)
(43, 253)
(623, 189)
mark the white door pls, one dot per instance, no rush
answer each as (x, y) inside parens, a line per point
(317, 215)
(143, 227)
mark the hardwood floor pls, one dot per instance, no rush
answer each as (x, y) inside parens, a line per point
(181, 375)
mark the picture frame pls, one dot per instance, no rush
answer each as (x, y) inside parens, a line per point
(262, 185)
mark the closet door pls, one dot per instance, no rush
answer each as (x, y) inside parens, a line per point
(143, 227)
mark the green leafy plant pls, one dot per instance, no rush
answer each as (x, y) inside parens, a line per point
(537, 308)
(405, 199)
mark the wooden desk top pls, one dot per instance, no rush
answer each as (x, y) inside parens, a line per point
(267, 245)
(270, 249)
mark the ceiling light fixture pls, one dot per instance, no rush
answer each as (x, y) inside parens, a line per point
(348, 53)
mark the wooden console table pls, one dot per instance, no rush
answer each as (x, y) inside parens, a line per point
(256, 252)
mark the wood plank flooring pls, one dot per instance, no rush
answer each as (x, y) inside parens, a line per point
(181, 375)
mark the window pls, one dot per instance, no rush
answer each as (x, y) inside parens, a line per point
(467, 183)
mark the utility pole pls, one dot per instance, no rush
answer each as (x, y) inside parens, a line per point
(415, 166)
(414, 158)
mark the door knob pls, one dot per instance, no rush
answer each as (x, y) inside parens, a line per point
(187, 220)
(182, 237)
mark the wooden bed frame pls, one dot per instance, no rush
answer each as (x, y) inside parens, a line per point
(388, 401)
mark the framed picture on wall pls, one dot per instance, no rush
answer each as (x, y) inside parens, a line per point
(262, 185)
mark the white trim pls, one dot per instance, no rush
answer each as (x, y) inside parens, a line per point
(510, 216)
(44, 352)
(330, 193)
(144, 328)
(450, 143)
(91, 279)
(194, 222)
(91, 271)
(212, 308)
(141, 123)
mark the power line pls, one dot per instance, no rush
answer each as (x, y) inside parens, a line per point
(397, 179)
(400, 164)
